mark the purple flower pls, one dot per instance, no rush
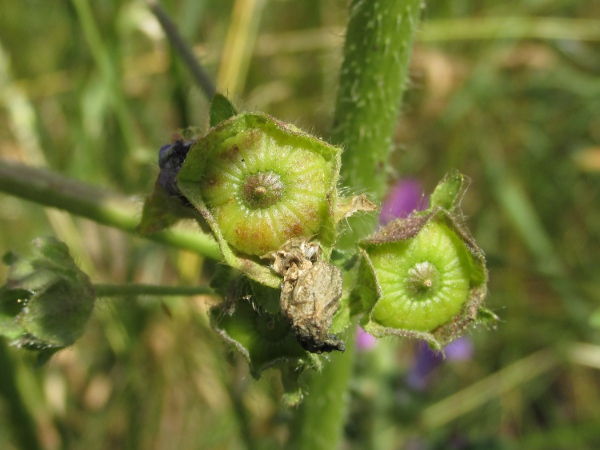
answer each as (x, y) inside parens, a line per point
(404, 198)
(364, 341)
(427, 361)
(460, 350)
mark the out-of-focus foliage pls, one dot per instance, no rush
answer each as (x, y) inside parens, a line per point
(507, 92)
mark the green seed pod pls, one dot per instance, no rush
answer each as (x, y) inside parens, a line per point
(264, 339)
(258, 183)
(421, 277)
(47, 300)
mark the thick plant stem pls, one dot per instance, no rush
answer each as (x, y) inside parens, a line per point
(23, 428)
(320, 419)
(50, 189)
(373, 77)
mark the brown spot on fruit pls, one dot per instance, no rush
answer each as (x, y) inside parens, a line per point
(211, 182)
(251, 138)
(231, 154)
(262, 190)
(295, 229)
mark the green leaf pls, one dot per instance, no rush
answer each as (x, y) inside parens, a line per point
(220, 109)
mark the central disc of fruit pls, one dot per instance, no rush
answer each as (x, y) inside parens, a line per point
(422, 279)
(262, 189)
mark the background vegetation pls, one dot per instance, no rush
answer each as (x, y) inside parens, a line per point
(507, 92)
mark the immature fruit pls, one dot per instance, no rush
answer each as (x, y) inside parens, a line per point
(258, 183)
(263, 182)
(423, 276)
(423, 281)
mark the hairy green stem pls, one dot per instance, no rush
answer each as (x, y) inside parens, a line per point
(320, 420)
(122, 290)
(372, 80)
(373, 77)
(22, 427)
(51, 189)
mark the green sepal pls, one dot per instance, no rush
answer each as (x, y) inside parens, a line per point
(225, 145)
(231, 285)
(264, 340)
(221, 109)
(349, 206)
(162, 210)
(46, 300)
(422, 277)
(487, 317)
(449, 191)
(11, 304)
(342, 318)
(267, 297)
(290, 379)
(242, 320)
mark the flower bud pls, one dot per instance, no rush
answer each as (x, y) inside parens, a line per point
(423, 276)
(46, 300)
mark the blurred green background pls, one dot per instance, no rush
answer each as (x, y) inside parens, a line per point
(507, 92)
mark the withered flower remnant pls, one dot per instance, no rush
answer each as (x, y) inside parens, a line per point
(310, 294)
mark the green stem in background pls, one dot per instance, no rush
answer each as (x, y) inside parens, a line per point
(200, 76)
(373, 77)
(107, 68)
(122, 290)
(471, 28)
(521, 213)
(243, 417)
(50, 189)
(22, 425)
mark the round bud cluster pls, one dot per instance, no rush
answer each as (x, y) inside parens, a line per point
(47, 300)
